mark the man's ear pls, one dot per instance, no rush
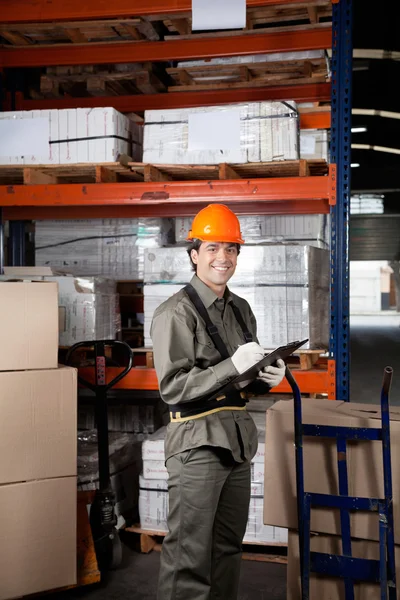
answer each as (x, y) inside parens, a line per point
(194, 256)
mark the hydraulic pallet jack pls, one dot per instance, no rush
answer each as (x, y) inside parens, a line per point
(345, 566)
(103, 519)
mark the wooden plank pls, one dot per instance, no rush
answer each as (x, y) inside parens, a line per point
(96, 86)
(76, 36)
(304, 170)
(133, 32)
(35, 27)
(49, 87)
(270, 558)
(15, 38)
(34, 176)
(104, 175)
(149, 83)
(227, 172)
(151, 173)
(182, 26)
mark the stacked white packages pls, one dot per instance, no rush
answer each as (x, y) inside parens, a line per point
(287, 287)
(314, 143)
(314, 230)
(153, 484)
(103, 247)
(69, 136)
(269, 131)
(153, 492)
(256, 531)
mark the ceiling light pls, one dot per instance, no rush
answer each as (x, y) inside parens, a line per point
(354, 165)
(358, 129)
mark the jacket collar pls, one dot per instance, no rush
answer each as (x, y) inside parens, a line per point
(207, 296)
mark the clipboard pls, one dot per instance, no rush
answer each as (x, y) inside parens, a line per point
(252, 373)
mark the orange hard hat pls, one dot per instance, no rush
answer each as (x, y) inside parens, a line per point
(216, 223)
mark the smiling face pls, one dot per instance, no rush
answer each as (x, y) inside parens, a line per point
(216, 263)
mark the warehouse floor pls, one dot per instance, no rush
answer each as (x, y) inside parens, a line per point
(372, 348)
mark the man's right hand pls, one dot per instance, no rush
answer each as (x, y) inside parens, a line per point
(246, 356)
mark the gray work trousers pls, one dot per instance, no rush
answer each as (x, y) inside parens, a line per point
(209, 496)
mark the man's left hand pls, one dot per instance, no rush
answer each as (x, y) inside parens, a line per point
(273, 376)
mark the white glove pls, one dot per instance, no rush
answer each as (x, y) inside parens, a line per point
(273, 375)
(246, 356)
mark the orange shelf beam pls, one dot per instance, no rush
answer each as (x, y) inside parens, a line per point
(316, 381)
(128, 52)
(302, 195)
(22, 11)
(313, 92)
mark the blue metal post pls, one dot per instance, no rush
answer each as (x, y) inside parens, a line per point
(342, 50)
(16, 244)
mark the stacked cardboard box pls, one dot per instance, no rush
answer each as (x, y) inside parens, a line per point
(88, 306)
(37, 445)
(268, 131)
(83, 135)
(287, 287)
(365, 475)
(112, 248)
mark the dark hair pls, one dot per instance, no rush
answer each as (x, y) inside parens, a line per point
(195, 245)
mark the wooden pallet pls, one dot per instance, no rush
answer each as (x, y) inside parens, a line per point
(132, 171)
(78, 32)
(102, 80)
(74, 173)
(287, 168)
(248, 74)
(307, 12)
(152, 540)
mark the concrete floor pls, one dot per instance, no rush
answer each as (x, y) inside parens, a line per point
(372, 348)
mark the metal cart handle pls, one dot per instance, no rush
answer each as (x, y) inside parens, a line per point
(99, 346)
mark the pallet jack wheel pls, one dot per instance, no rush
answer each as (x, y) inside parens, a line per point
(115, 550)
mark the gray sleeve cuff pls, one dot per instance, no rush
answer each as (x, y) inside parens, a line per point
(225, 371)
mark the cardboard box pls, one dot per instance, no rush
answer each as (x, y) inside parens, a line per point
(364, 461)
(153, 447)
(29, 325)
(38, 436)
(37, 536)
(329, 588)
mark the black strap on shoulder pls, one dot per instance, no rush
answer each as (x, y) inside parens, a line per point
(246, 333)
(211, 328)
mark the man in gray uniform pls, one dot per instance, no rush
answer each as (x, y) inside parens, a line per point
(203, 337)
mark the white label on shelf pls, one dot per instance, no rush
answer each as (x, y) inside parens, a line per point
(214, 130)
(22, 137)
(218, 14)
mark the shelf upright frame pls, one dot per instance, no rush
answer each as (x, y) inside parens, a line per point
(342, 57)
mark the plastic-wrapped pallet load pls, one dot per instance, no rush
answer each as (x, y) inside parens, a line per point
(106, 247)
(88, 307)
(287, 287)
(313, 230)
(146, 417)
(83, 135)
(125, 466)
(267, 131)
(253, 58)
(314, 143)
